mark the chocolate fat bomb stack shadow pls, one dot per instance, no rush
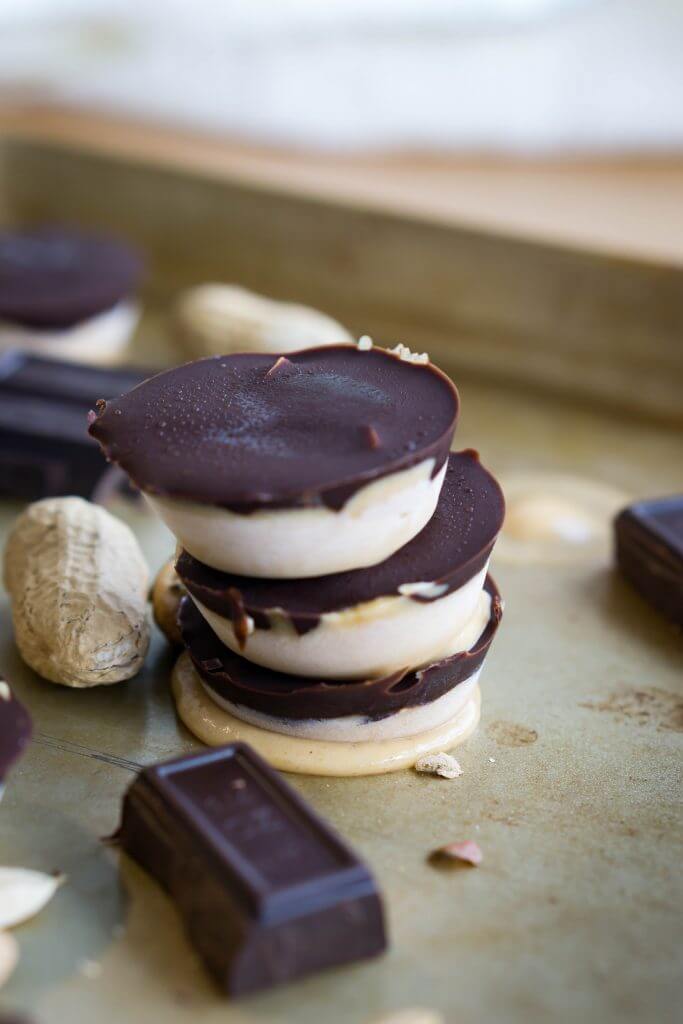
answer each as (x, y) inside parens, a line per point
(334, 552)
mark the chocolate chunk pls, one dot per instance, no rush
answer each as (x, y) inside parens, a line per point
(449, 551)
(45, 449)
(240, 681)
(227, 431)
(53, 278)
(238, 616)
(267, 891)
(371, 436)
(15, 728)
(649, 552)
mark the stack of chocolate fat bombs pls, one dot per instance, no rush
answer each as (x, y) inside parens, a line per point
(334, 549)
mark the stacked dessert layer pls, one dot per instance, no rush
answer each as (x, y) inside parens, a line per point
(334, 552)
(67, 295)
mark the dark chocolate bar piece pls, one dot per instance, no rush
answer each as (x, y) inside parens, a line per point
(267, 891)
(649, 552)
(45, 448)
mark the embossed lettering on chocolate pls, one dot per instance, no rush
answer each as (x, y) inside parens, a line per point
(267, 891)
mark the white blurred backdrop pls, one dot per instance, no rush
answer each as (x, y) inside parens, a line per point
(529, 76)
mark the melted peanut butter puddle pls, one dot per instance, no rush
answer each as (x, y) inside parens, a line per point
(215, 727)
(556, 518)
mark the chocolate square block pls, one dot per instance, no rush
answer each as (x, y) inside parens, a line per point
(45, 448)
(649, 552)
(267, 891)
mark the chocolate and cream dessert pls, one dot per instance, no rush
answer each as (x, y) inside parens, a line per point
(334, 553)
(401, 703)
(284, 467)
(409, 609)
(67, 295)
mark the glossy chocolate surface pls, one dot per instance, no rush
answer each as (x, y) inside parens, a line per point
(649, 552)
(45, 449)
(55, 278)
(254, 431)
(15, 728)
(268, 892)
(450, 550)
(292, 697)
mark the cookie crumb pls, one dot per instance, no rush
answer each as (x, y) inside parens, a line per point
(365, 343)
(441, 764)
(404, 353)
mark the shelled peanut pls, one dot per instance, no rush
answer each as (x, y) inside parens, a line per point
(214, 319)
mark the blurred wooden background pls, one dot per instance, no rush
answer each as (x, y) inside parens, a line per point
(630, 206)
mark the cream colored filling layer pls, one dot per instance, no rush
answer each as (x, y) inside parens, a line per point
(359, 728)
(293, 543)
(215, 727)
(372, 639)
(99, 339)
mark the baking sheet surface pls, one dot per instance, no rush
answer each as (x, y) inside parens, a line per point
(571, 787)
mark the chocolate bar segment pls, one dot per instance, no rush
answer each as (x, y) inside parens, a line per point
(45, 448)
(649, 552)
(267, 891)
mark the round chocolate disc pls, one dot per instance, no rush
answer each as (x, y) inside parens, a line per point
(239, 681)
(52, 278)
(254, 430)
(452, 548)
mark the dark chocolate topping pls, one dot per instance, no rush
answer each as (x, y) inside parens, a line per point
(293, 697)
(15, 729)
(254, 430)
(267, 891)
(649, 550)
(451, 549)
(52, 278)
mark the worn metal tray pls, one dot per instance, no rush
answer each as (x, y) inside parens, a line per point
(571, 786)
